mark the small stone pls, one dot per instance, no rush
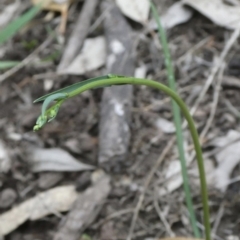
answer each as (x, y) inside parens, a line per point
(7, 198)
(48, 180)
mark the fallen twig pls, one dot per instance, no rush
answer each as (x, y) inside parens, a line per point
(78, 35)
(84, 210)
(116, 100)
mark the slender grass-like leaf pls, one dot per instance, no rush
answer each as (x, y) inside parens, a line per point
(70, 88)
(76, 86)
(8, 64)
(12, 28)
(177, 121)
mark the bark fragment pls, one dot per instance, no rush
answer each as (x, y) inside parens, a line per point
(116, 100)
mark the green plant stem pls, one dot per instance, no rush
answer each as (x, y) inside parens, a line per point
(177, 122)
(183, 107)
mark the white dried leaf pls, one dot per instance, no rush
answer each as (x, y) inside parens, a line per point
(172, 174)
(217, 11)
(14, 136)
(54, 159)
(48, 84)
(231, 137)
(165, 126)
(218, 177)
(173, 168)
(135, 9)
(228, 158)
(8, 13)
(171, 185)
(92, 56)
(53, 201)
(117, 47)
(232, 237)
(5, 161)
(209, 169)
(175, 15)
(175, 180)
(140, 72)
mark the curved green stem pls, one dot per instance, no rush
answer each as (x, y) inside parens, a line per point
(183, 107)
(63, 94)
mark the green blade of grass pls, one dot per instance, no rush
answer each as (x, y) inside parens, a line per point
(177, 121)
(12, 28)
(8, 64)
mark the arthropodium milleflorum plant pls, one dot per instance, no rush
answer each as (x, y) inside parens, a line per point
(60, 96)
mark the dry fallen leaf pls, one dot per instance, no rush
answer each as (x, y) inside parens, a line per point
(165, 126)
(135, 9)
(92, 56)
(56, 6)
(48, 84)
(5, 161)
(172, 175)
(175, 15)
(53, 201)
(227, 158)
(194, 173)
(217, 11)
(232, 237)
(54, 159)
(141, 71)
